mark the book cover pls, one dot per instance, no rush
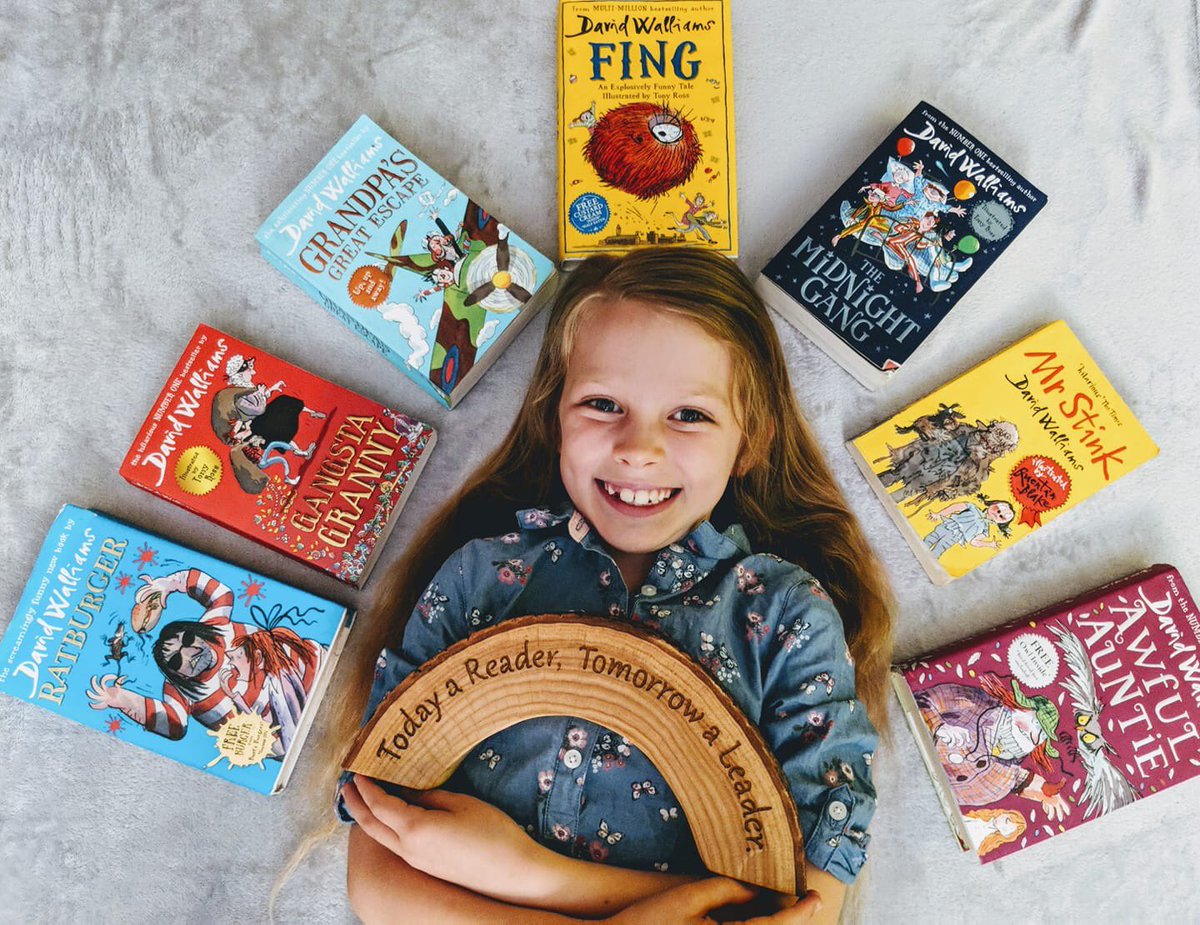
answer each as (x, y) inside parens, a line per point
(645, 126)
(895, 247)
(1061, 717)
(279, 455)
(155, 644)
(997, 453)
(422, 272)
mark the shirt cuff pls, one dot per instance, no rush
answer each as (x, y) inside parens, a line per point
(339, 804)
(834, 845)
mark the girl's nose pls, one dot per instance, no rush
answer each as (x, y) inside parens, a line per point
(640, 443)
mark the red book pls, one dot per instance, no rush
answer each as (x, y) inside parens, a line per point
(279, 455)
(1058, 718)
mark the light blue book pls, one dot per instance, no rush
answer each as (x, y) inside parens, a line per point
(156, 644)
(424, 274)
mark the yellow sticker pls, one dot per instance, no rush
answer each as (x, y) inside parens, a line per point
(244, 739)
(198, 471)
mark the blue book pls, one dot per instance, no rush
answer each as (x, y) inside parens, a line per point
(895, 247)
(400, 255)
(156, 644)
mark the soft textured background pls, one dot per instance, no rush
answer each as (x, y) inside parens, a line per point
(141, 144)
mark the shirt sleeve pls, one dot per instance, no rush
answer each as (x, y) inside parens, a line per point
(437, 622)
(819, 731)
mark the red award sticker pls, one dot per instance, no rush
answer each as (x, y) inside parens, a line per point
(369, 286)
(1039, 484)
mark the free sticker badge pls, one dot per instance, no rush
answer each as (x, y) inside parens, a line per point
(244, 739)
(198, 471)
(589, 213)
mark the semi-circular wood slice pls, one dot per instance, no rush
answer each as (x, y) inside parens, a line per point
(727, 781)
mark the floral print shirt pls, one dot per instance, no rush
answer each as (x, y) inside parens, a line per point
(764, 628)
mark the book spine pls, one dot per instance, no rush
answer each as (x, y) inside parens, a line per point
(801, 317)
(351, 322)
(920, 732)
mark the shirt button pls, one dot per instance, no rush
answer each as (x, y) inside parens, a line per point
(573, 759)
(837, 811)
(649, 590)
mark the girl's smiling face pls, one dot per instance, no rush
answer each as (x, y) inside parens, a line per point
(648, 431)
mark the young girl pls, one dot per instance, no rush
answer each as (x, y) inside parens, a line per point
(658, 472)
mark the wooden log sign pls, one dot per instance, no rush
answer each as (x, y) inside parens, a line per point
(640, 686)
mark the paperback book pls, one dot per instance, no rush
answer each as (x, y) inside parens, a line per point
(279, 455)
(992, 456)
(895, 247)
(158, 645)
(1061, 717)
(645, 130)
(394, 250)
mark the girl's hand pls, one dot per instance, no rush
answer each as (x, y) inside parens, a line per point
(453, 837)
(691, 904)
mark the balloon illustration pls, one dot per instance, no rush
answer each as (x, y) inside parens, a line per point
(905, 147)
(964, 189)
(969, 244)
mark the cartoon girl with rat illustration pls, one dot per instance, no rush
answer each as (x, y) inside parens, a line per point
(213, 668)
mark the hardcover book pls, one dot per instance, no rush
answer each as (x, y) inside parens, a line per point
(994, 455)
(279, 455)
(426, 275)
(1061, 717)
(887, 256)
(174, 651)
(645, 130)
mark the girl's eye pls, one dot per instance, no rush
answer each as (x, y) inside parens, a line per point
(604, 405)
(691, 416)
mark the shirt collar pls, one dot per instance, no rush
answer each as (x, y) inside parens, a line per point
(702, 549)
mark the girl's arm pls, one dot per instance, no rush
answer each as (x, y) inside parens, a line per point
(462, 841)
(819, 731)
(379, 884)
(832, 893)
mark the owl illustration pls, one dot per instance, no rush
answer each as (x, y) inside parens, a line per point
(1105, 787)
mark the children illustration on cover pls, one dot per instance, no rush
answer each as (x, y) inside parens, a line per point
(213, 668)
(260, 424)
(965, 523)
(475, 270)
(903, 215)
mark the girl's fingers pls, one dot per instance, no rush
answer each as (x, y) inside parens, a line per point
(395, 811)
(713, 892)
(437, 799)
(367, 820)
(803, 911)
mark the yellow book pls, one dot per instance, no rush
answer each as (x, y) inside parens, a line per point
(645, 115)
(997, 453)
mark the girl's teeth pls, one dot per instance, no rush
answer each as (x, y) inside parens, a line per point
(641, 496)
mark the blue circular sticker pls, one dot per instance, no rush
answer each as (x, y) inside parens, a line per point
(589, 213)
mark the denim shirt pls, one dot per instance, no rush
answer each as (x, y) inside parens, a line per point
(762, 627)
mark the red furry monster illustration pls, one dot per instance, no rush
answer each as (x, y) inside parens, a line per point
(643, 149)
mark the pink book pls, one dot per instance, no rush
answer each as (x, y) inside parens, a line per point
(1058, 718)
